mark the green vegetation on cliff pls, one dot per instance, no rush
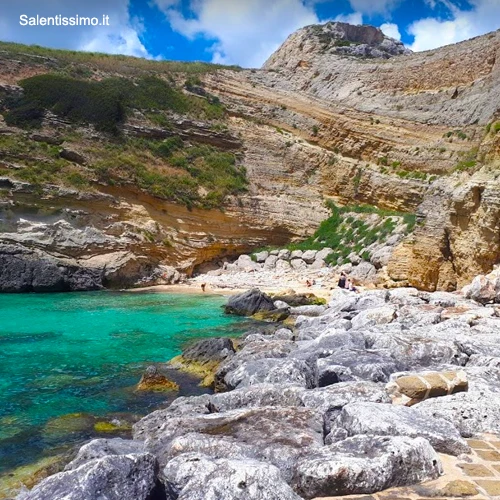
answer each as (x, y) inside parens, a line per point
(348, 230)
(104, 103)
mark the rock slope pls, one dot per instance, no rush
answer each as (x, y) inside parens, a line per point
(311, 411)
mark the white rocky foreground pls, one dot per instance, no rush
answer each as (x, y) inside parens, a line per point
(315, 410)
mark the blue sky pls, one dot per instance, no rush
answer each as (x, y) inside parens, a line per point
(243, 32)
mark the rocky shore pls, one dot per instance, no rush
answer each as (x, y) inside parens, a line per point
(370, 391)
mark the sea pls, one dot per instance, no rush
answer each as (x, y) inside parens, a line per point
(70, 362)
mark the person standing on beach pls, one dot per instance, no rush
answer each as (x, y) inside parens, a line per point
(203, 286)
(342, 280)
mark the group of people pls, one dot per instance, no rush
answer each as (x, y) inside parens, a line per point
(346, 283)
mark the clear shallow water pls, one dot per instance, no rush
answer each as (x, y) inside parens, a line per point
(83, 353)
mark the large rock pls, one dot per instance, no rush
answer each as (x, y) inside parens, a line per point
(112, 477)
(481, 290)
(364, 272)
(248, 303)
(258, 395)
(413, 388)
(365, 464)
(277, 435)
(309, 256)
(373, 419)
(195, 477)
(471, 413)
(261, 256)
(350, 364)
(372, 317)
(153, 380)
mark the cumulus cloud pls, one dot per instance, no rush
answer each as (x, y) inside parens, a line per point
(245, 32)
(122, 36)
(392, 30)
(353, 18)
(430, 33)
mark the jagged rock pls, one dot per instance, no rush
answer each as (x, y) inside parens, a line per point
(348, 364)
(204, 357)
(326, 399)
(194, 477)
(296, 254)
(363, 272)
(308, 310)
(248, 303)
(324, 253)
(354, 259)
(113, 477)
(375, 316)
(471, 412)
(284, 254)
(283, 266)
(270, 262)
(375, 419)
(318, 264)
(309, 256)
(365, 464)
(246, 263)
(481, 290)
(49, 139)
(381, 257)
(269, 370)
(278, 435)
(261, 256)
(298, 265)
(413, 388)
(152, 380)
(258, 395)
(99, 448)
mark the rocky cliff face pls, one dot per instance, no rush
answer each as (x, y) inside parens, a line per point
(338, 112)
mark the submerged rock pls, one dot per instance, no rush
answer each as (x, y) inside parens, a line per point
(152, 380)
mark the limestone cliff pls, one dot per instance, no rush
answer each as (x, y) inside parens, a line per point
(338, 112)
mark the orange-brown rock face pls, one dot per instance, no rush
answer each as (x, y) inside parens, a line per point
(362, 121)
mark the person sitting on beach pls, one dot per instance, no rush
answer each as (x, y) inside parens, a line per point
(342, 280)
(350, 285)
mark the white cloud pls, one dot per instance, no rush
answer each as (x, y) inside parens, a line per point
(353, 18)
(392, 30)
(245, 32)
(120, 37)
(430, 33)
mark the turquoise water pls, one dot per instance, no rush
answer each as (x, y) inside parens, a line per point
(72, 353)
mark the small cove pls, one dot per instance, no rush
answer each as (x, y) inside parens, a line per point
(68, 360)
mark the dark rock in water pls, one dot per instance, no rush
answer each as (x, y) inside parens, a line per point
(299, 299)
(23, 270)
(365, 464)
(152, 380)
(248, 303)
(373, 419)
(276, 315)
(209, 350)
(203, 358)
(111, 477)
(193, 476)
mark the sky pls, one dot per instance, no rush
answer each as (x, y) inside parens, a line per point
(242, 32)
